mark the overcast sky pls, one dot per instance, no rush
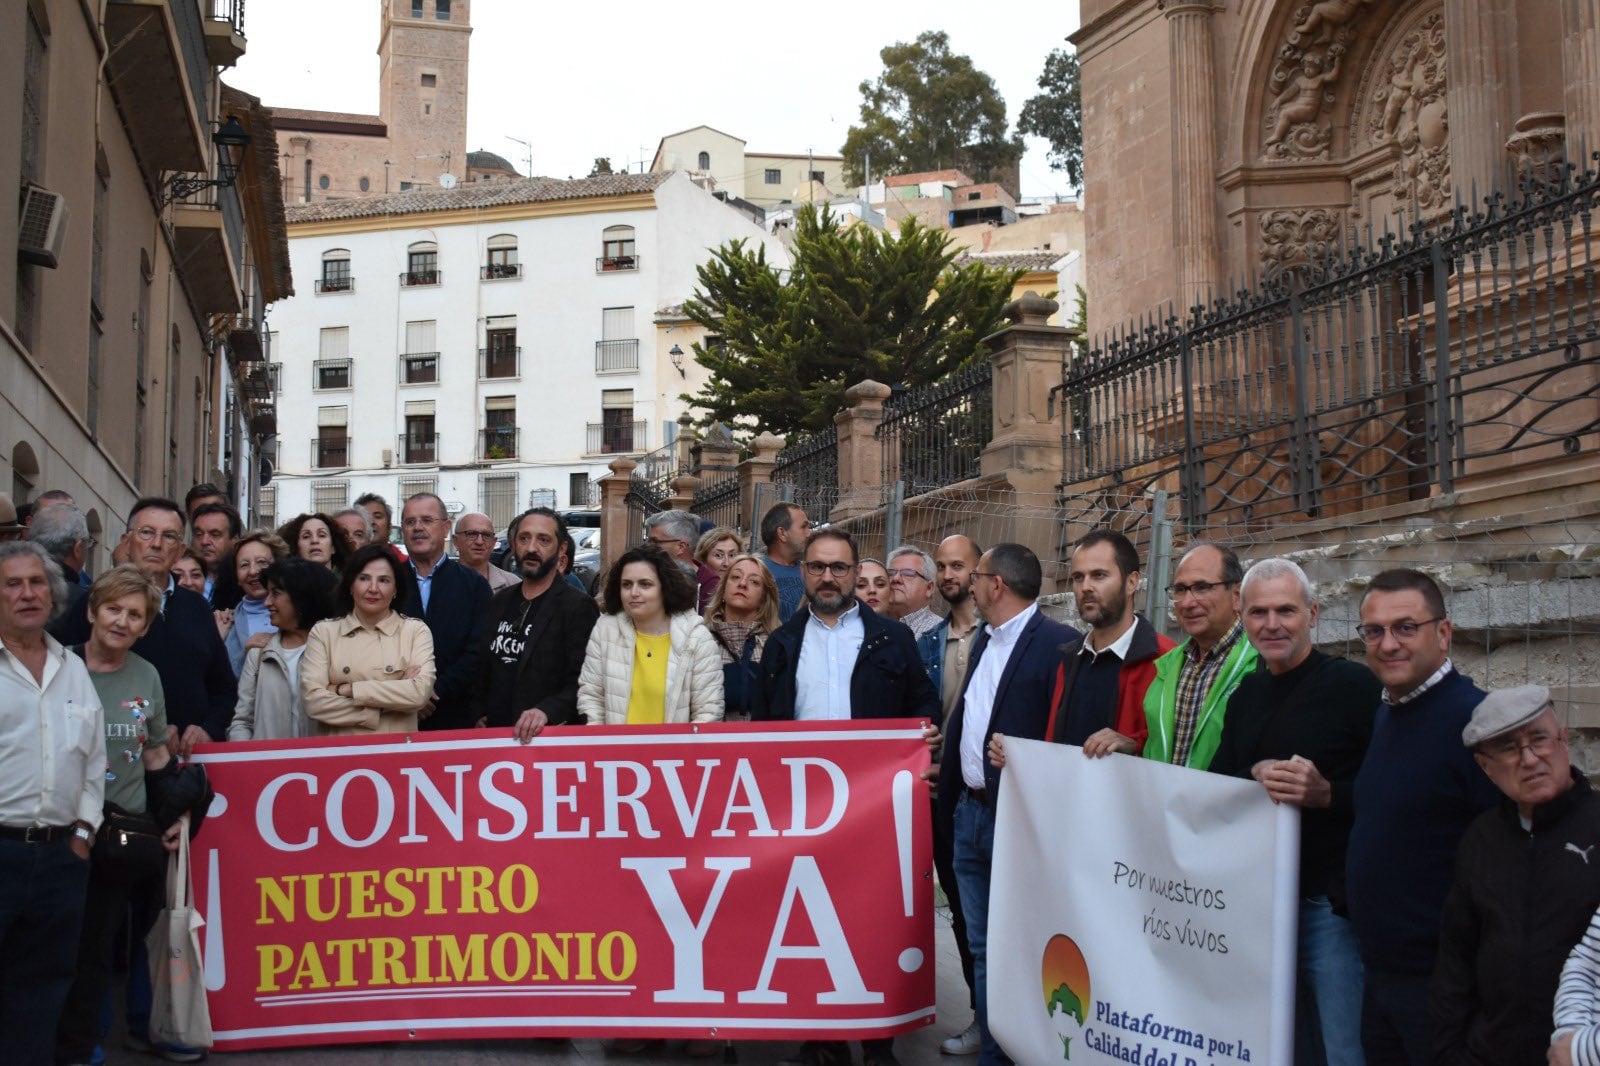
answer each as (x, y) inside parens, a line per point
(593, 79)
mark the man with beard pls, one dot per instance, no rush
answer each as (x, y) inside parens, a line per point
(833, 660)
(1098, 700)
(537, 633)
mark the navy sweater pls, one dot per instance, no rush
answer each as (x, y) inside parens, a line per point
(1417, 792)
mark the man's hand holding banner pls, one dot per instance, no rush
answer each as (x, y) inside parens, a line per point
(729, 881)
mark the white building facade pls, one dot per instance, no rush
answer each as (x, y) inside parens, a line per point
(498, 344)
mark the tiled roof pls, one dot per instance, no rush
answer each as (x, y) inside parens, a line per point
(1037, 260)
(477, 194)
(289, 117)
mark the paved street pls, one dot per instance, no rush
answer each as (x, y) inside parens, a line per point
(918, 1047)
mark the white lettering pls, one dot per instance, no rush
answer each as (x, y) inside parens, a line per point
(797, 793)
(418, 783)
(382, 820)
(805, 882)
(688, 935)
(268, 828)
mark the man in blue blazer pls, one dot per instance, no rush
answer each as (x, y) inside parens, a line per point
(1007, 691)
(453, 601)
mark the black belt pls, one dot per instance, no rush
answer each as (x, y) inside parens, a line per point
(981, 795)
(36, 834)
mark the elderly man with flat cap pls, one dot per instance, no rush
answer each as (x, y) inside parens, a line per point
(1527, 882)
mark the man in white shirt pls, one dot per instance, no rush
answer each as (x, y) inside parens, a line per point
(52, 788)
(1009, 676)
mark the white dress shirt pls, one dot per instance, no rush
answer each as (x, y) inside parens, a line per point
(52, 742)
(979, 705)
(827, 659)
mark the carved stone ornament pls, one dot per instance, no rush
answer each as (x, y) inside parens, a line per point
(1293, 238)
(1538, 148)
(1409, 110)
(1304, 77)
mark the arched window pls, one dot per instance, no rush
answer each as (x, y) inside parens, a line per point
(335, 271)
(502, 261)
(422, 264)
(616, 249)
(705, 160)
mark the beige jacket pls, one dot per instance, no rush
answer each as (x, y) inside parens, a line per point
(342, 650)
(269, 707)
(694, 671)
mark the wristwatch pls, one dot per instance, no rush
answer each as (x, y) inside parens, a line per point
(82, 832)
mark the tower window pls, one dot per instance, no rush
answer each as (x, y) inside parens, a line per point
(441, 10)
(427, 109)
(416, 9)
(429, 81)
(705, 160)
(323, 182)
(365, 184)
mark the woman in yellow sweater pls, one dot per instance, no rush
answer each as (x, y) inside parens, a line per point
(650, 659)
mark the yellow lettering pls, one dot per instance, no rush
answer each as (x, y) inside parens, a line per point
(388, 965)
(585, 956)
(424, 959)
(517, 945)
(434, 876)
(315, 909)
(346, 950)
(278, 892)
(402, 900)
(545, 945)
(618, 971)
(475, 896)
(460, 967)
(274, 959)
(308, 972)
(363, 887)
(530, 888)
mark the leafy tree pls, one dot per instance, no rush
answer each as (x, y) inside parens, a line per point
(1056, 114)
(602, 165)
(855, 303)
(930, 110)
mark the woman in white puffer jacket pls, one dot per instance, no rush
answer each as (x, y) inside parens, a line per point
(651, 660)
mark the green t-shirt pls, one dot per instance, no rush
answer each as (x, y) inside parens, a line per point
(136, 719)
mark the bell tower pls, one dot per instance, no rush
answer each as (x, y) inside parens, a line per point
(422, 59)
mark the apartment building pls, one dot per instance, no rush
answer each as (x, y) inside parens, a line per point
(499, 343)
(149, 241)
(765, 179)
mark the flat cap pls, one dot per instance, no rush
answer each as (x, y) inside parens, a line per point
(1504, 710)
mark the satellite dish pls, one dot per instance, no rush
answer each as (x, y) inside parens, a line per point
(447, 181)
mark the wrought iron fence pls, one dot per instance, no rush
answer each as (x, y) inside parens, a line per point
(649, 486)
(811, 466)
(934, 436)
(1394, 370)
(718, 502)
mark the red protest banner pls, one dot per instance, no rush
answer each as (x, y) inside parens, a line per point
(727, 881)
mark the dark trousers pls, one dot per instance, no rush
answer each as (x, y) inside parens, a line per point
(944, 866)
(41, 907)
(1396, 1028)
(104, 911)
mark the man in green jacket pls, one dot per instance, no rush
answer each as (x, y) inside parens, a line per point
(1185, 703)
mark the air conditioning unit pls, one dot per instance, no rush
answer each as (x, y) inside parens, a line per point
(43, 226)
(388, 458)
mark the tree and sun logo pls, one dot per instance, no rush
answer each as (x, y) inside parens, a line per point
(1065, 976)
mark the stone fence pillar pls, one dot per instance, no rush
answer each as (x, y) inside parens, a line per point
(615, 536)
(715, 456)
(757, 470)
(684, 486)
(1027, 357)
(860, 454)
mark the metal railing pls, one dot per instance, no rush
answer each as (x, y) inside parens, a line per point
(719, 502)
(419, 368)
(419, 450)
(500, 271)
(616, 438)
(609, 264)
(650, 483)
(616, 355)
(811, 465)
(334, 283)
(1390, 371)
(332, 373)
(500, 362)
(934, 436)
(410, 279)
(330, 452)
(499, 442)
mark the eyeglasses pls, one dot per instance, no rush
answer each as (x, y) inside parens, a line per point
(817, 569)
(1373, 633)
(1199, 588)
(473, 534)
(420, 520)
(166, 536)
(664, 541)
(1510, 749)
(906, 572)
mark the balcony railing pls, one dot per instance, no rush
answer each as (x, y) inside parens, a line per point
(410, 279)
(499, 442)
(330, 452)
(613, 438)
(335, 283)
(500, 271)
(613, 356)
(610, 264)
(419, 368)
(331, 373)
(418, 450)
(499, 362)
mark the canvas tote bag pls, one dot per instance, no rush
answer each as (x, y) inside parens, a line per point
(178, 1010)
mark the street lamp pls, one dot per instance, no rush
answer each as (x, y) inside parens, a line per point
(677, 360)
(231, 140)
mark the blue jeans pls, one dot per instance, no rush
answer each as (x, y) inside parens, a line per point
(42, 889)
(974, 855)
(1328, 1000)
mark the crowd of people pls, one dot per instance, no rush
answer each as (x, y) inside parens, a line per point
(1447, 899)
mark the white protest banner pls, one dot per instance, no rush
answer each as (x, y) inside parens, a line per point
(1140, 913)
